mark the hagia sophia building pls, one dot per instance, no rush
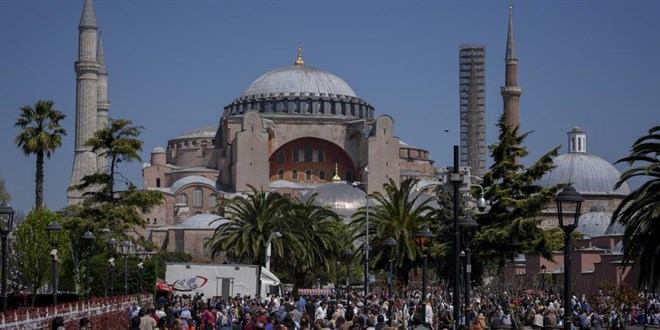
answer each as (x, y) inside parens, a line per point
(300, 130)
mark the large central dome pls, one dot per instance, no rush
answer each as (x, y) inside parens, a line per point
(299, 80)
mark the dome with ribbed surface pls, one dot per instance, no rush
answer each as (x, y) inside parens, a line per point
(299, 80)
(344, 199)
(588, 173)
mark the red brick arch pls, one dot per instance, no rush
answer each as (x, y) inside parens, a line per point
(317, 163)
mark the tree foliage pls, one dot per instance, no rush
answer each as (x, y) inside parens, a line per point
(4, 194)
(40, 135)
(118, 209)
(639, 212)
(399, 212)
(33, 251)
(512, 224)
(310, 238)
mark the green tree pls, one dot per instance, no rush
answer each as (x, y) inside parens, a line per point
(311, 243)
(4, 195)
(512, 224)
(40, 135)
(400, 212)
(107, 205)
(33, 250)
(639, 212)
(251, 219)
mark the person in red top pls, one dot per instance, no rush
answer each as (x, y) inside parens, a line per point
(207, 319)
(263, 317)
(248, 322)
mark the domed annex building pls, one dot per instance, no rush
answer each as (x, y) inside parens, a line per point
(292, 130)
(597, 256)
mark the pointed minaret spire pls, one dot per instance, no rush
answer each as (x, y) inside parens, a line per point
(511, 91)
(299, 60)
(336, 177)
(511, 54)
(88, 19)
(100, 56)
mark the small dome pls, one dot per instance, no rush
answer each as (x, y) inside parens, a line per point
(158, 150)
(342, 198)
(594, 224)
(598, 206)
(298, 80)
(203, 132)
(615, 228)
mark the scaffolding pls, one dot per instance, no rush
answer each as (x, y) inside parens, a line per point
(472, 71)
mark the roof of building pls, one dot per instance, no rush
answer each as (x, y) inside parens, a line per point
(340, 197)
(158, 150)
(191, 180)
(594, 224)
(588, 173)
(299, 80)
(201, 221)
(202, 132)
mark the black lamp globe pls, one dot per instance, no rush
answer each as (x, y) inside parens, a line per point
(569, 199)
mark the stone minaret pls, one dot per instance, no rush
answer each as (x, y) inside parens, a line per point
(103, 105)
(511, 91)
(87, 72)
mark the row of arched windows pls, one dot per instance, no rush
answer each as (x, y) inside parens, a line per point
(198, 199)
(309, 175)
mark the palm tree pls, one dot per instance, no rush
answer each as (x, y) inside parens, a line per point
(399, 213)
(40, 134)
(251, 219)
(639, 212)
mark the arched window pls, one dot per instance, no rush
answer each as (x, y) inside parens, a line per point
(280, 157)
(294, 175)
(349, 176)
(308, 175)
(157, 182)
(280, 174)
(183, 199)
(197, 197)
(213, 200)
(321, 175)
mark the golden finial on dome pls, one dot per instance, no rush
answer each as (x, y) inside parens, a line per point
(336, 177)
(299, 60)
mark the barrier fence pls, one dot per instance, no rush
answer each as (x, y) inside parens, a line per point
(103, 313)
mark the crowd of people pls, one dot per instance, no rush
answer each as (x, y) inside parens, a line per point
(412, 311)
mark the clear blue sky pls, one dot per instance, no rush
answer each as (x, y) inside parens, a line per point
(173, 66)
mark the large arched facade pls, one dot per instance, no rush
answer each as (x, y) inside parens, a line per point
(310, 160)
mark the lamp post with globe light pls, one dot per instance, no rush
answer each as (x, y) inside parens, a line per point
(389, 244)
(365, 248)
(6, 225)
(88, 240)
(142, 254)
(112, 247)
(466, 224)
(423, 239)
(568, 199)
(125, 248)
(54, 230)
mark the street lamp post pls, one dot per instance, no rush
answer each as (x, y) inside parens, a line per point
(569, 199)
(456, 180)
(54, 230)
(6, 224)
(88, 239)
(125, 248)
(272, 235)
(348, 254)
(142, 254)
(390, 243)
(543, 268)
(366, 248)
(466, 224)
(423, 240)
(112, 247)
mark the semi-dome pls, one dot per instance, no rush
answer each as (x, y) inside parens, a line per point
(340, 197)
(588, 173)
(203, 132)
(594, 224)
(299, 80)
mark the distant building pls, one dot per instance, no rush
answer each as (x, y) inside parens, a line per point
(472, 72)
(597, 257)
